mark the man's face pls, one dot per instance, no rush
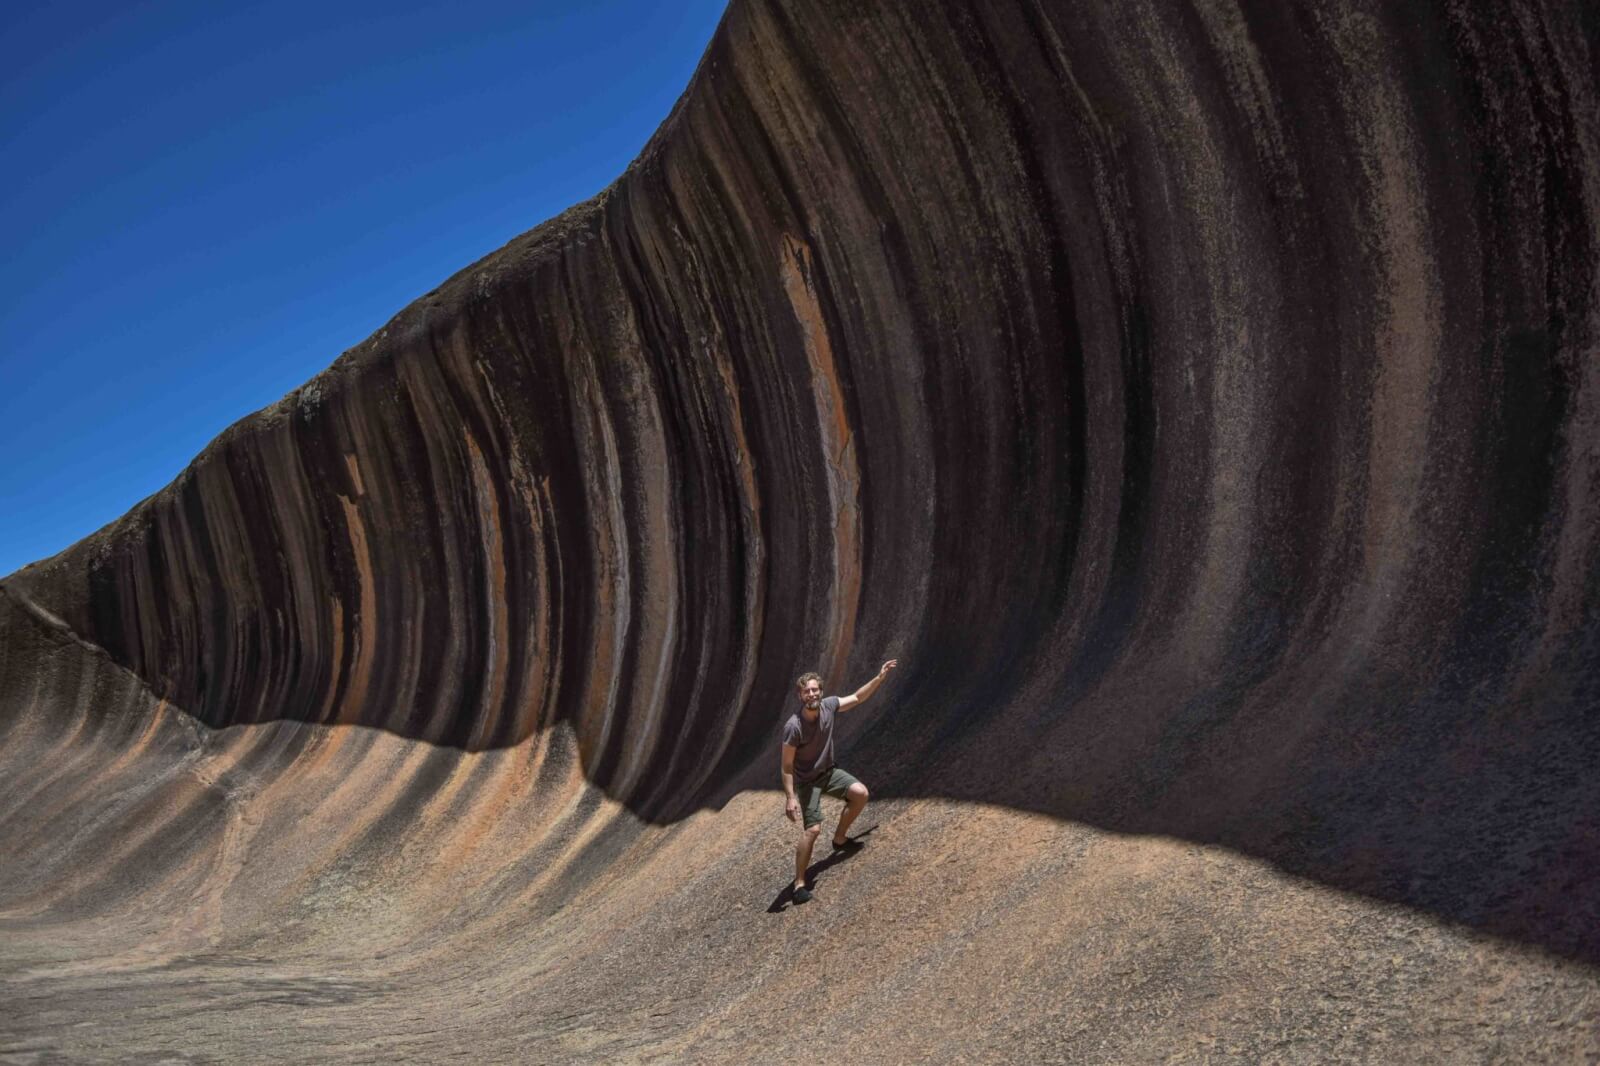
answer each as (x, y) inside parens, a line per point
(811, 694)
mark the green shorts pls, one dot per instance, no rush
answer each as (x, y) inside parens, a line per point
(834, 782)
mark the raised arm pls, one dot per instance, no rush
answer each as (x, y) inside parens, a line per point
(861, 694)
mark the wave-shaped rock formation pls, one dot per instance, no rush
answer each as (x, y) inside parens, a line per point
(1202, 400)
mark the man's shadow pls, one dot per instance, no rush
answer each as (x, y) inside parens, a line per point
(786, 897)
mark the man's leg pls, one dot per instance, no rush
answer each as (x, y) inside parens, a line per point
(855, 801)
(802, 853)
(811, 813)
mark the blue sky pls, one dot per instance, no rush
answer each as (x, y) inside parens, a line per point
(203, 204)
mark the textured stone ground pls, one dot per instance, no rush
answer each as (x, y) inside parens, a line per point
(961, 933)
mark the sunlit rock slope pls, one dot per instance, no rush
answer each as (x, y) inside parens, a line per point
(1202, 400)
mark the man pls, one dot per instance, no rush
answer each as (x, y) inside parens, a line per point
(808, 764)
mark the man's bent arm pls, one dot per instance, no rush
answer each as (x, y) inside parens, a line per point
(861, 694)
(788, 771)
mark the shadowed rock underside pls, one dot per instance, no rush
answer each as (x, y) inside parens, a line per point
(1202, 400)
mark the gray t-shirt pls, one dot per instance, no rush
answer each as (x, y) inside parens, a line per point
(813, 741)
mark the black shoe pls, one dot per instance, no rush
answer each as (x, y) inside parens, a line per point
(849, 847)
(802, 894)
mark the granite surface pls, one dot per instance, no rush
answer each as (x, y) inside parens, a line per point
(1202, 401)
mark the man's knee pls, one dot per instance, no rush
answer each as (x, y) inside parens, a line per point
(813, 830)
(858, 793)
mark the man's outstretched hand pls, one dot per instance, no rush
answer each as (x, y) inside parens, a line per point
(865, 691)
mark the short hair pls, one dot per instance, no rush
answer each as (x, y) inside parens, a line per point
(800, 682)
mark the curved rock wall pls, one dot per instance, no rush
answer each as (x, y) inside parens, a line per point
(1202, 401)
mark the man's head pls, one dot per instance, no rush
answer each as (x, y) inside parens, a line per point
(809, 688)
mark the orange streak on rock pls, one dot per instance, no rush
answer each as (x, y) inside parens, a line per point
(844, 479)
(494, 595)
(354, 469)
(353, 705)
